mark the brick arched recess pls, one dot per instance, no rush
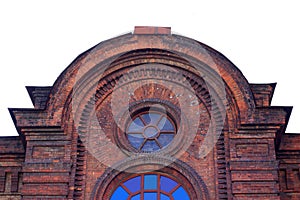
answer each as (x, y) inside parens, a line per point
(151, 62)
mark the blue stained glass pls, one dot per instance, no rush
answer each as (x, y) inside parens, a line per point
(150, 145)
(119, 194)
(165, 125)
(164, 197)
(133, 184)
(181, 194)
(150, 196)
(136, 126)
(136, 197)
(167, 184)
(136, 140)
(165, 139)
(150, 182)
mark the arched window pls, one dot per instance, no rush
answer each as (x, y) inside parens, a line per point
(150, 131)
(150, 187)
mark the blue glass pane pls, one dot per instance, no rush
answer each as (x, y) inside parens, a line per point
(164, 197)
(150, 182)
(133, 184)
(136, 140)
(150, 145)
(150, 196)
(119, 194)
(136, 197)
(165, 125)
(136, 135)
(180, 194)
(146, 118)
(167, 184)
(164, 139)
(162, 122)
(136, 126)
(151, 118)
(154, 118)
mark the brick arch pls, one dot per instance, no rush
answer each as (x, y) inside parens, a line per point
(179, 170)
(94, 87)
(90, 98)
(98, 60)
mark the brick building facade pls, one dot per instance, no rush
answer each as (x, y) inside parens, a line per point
(151, 115)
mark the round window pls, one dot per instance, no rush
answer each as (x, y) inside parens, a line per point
(150, 131)
(150, 187)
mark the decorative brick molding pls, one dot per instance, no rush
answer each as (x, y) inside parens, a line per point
(178, 169)
(106, 86)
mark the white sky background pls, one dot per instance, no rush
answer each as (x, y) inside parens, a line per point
(39, 40)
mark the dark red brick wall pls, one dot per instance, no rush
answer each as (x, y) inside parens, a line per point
(62, 154)
(288, 155)
(11, 161)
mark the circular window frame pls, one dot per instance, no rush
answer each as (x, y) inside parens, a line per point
(156, 105)
(150, 125)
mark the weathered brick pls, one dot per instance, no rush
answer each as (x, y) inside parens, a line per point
(74, 136)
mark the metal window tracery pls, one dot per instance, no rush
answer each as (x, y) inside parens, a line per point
(150, 187)
(150, 131)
